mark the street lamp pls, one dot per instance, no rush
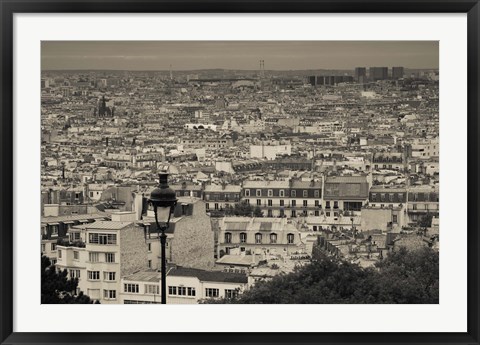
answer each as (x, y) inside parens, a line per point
(163, 201)
(353, 230)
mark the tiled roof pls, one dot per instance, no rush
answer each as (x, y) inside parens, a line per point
(144, 276)
(106, 225)
(265, 184)
(74, 217)
(346, 179)
(210, 276)
(220, 188)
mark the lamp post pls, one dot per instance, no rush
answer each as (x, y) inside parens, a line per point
(353, 230)
(163, 201)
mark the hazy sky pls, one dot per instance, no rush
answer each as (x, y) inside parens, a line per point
(278, 55)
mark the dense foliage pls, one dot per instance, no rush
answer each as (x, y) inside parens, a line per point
(243, 209)
(57, 288)
(402, 277)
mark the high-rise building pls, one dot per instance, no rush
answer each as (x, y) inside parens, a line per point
(378, 73)
(360, 73)
(397, 72)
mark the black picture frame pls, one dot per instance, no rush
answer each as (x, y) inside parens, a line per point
(10, 7)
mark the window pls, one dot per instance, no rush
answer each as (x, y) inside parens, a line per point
(294, 213)
(93, 275)
(102, 238)
(273, 238)
(269, 213)
(327, 214)
(207, 206)
(211, 292)
(259, 202)
(305, 193)
(282, 193)
(327, 204)
(53, 247)
(317, 203)
(191, 291)
(182, 291)
(228, 237)
(109, 276)
(317, 213)
(247, 192)
(305, 203)
(230, 293)
(172, 290)
(110, 294)
(93, 257)
(59, 254)
(259, 192)
(282, 202)
(76, 255)
(270, 193)
(390, 197)
(270, 203)
(74, 236)
(43, 247)
(152, 289)
(54, 230)
(290, 238)
(149, 245)
(315, 228)
(149, 264)
(216, 205)
(293, 193)
(109, 257)
(335, 204)
(243, 237)
(316, 194)
(394, 218)
(247, 201)
(294, 203)
(258, 238)
(74, 274)
(130, 288)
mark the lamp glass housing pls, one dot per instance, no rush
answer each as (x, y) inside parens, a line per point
(163, 214)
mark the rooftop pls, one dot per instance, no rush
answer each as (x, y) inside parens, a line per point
(212, 276)
(106, 225)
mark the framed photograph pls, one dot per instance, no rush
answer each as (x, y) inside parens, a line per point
(182, 160)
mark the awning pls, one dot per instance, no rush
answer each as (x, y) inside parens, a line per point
(52, 223)
(68, 222)
(83, 221)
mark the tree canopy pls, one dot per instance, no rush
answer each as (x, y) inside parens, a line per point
(402, 277)
(57, 288)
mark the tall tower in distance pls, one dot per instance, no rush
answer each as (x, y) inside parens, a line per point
(397, 72)
(360, 74)
(262, 68)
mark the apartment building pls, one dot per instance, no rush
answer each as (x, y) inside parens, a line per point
(55, 229)
(258, 236)
(289, 198)
(104, 252)
(219, 197)
(184, 286)
(345, 193)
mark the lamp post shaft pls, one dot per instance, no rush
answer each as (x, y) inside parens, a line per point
(163, 241)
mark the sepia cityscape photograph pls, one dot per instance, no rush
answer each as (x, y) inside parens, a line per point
(240, 172)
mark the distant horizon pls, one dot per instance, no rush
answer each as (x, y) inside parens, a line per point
(236, 55)
(224, 69)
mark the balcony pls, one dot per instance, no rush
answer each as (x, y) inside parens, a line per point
(66, 243)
